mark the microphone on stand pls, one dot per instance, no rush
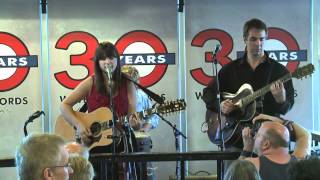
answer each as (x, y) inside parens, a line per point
(219, 134)
(114, 136)
(108, 71)
(216, 50)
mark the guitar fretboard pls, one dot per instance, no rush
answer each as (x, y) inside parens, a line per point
(165, 108)
(247, 100)
(142, 114)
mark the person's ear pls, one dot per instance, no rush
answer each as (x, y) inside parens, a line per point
(266, 144)
(47, 174)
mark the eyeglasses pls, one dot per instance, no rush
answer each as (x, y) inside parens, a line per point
(68, 165)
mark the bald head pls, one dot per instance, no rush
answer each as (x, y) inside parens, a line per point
(276, 133)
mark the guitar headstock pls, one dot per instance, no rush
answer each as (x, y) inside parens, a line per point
(171, 106)
(303, 71)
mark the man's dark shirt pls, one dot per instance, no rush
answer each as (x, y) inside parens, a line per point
(274, 171)
(239, 72)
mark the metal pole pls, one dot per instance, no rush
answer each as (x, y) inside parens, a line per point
(182, 72)
(45, 66)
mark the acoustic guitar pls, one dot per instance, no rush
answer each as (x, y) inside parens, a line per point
(100, 122)
(244, 101)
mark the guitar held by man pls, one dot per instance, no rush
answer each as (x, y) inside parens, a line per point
(240, 108)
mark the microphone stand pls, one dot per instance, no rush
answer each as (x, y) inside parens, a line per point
(220, 164)
(131, 173)
(176, 133)
(113, 151)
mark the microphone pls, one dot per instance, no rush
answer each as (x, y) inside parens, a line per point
(108, 70)
(216, 50)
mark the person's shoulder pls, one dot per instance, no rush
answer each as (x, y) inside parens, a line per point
(126, 79)
(89, 79)
(128, 84)
(230, 65)
(141, 94)
(254, 160)
(277, 64)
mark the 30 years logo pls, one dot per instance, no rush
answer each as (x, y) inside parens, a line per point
(140, 48)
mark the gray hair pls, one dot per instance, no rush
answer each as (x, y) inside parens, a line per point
(242, 170)
(82, 168)
(37, 152)
(276, 140)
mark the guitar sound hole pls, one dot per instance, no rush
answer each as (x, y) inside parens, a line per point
(95, 128)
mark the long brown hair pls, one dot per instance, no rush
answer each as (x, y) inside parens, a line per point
(106, 50)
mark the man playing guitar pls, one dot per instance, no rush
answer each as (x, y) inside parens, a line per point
(256, 69)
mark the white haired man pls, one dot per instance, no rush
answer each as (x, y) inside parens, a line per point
(43, 157)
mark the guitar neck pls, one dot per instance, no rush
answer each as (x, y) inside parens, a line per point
(165, 108)
(247, 100)
(142, 114)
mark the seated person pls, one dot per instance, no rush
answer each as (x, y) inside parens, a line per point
(151, 122)
(142, 102)
(308, 169)
(82, 168)
(242, 170)
(41, 157)
(271, 143)
(75, 148)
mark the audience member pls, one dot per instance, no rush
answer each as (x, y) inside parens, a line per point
(271, 143)
(43, 157)
(79, 155)
(77, 149)
(242, 170)
(305, 169)
(82, 168)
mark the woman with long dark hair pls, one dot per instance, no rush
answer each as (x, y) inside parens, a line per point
(96, 91)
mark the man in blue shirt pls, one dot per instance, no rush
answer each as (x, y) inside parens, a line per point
(143, 101)
(151, 122)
